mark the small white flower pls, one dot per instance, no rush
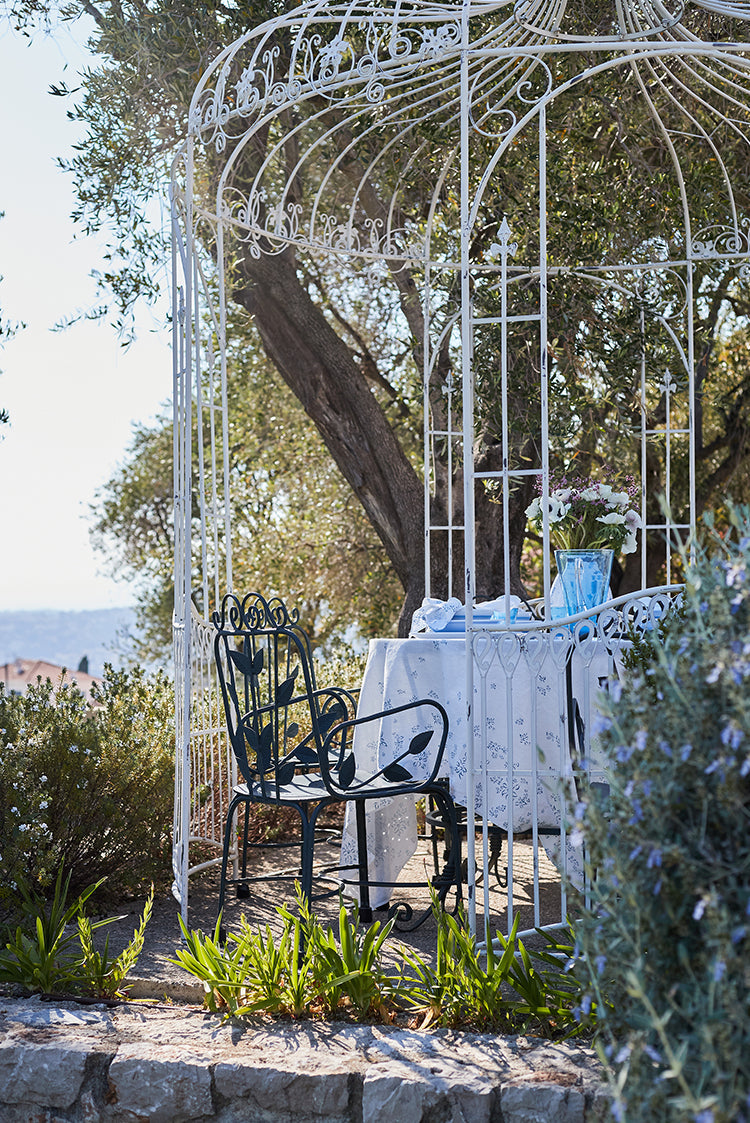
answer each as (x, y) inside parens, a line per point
(630, 544)
(14, 810)
(589, 494)
(42, 779)
(619, 499)
(614, 518)
(534, 509)
(557, 510)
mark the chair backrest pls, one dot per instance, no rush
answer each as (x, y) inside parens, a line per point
(276, 717)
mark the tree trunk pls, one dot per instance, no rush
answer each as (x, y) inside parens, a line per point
(322, 373)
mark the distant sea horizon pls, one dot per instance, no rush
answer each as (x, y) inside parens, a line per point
(65, 636)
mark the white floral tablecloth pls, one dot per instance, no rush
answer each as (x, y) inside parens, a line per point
(519, 701)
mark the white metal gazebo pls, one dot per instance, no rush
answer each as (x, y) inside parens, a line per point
(462, 157)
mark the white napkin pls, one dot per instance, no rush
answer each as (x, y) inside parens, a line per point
(487, 607)
(434, 614)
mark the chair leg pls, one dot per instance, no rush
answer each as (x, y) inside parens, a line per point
(430, 806)
(308, 852)
(365, 909)
(451, 875)
(238, 799)
(243, 891)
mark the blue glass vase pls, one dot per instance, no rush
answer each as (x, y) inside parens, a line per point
(585, 577)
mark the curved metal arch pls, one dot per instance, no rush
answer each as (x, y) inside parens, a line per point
(290, 226)
(384, 71)
(553, 93)
(411, 17)
(327, 178)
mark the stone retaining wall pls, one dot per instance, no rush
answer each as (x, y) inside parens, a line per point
(175, 1064)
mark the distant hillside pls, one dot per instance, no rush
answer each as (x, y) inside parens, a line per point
(65, 637)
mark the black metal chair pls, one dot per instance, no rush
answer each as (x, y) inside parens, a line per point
(293, 744)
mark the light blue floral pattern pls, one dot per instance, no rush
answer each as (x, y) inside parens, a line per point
(523, 765)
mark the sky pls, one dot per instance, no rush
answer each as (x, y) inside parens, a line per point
(73, 395)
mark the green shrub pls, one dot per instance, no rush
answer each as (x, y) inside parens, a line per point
(86, 789)
(667, 938)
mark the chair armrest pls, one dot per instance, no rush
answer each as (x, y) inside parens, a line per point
(338, 763)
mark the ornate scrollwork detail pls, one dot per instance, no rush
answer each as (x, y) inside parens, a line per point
(253, 613)
(529, 87)
(667, 302)
(720, 241)
(326, 64)
(255, 84)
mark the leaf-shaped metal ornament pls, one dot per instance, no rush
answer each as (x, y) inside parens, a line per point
(264, 747)
(251, 737)
(242, 762)
(330, 717)
(285, 774)
(305, 754)
(396, 773)
(292, 729)
(244, 664)
(346, 771)
(286, 688)
(419, 743)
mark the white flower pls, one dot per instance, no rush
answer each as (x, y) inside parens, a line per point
(590, 494)
(630, 543)
(557, 510)
(614, 518)
(633, 520)
(563, 494)
(619, 498)
(534, 509)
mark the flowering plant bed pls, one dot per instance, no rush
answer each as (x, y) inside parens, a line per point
(588, 514)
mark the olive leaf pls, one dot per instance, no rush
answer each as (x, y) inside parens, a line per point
(251, 736)
(330, 717)
(264, 747)
(305, 754)
(242, 761)
(245, 665)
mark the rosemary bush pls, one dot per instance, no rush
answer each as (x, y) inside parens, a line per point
(86, 789)
(667, 939)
